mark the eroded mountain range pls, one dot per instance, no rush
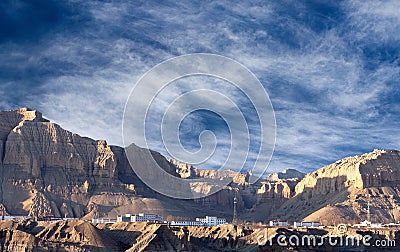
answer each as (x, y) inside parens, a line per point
(48, 171)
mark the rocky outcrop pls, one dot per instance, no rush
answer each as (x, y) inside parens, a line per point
(10, 119)
(281, 189)
(185, 170)
(41, 206)
(17, 240)
(3, 211)
(376, 168)
(346, 186)
(286, 174)
(189, 171)
(380, 168)
(81, 233)
(145, 237)
(39, 148)
(46, 170)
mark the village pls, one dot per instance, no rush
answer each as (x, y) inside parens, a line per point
(206, 221)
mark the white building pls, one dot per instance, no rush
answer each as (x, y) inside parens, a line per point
(368, 224)
(186, 223)
(16, 217)
(97, 221)
(142, 217)
(211, 221)
(376, 225)
(278, 223)
(391, 225)
(306, 224)
(67, 219)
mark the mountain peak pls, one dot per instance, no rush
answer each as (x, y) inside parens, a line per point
(286, 174)
(30, 115)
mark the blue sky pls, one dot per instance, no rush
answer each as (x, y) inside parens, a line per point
(331, 68)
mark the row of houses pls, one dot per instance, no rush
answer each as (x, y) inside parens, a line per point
(15, 217)
(142, 217)
(155, 218)
(45, 218)
(207, 221)
(295, 224)
(102, 220)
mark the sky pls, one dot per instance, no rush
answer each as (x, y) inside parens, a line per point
(331, 68)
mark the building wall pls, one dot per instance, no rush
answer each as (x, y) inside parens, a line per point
(186, 223)
(306, 224)
(139, 218)
(278, 223)
(211, 221)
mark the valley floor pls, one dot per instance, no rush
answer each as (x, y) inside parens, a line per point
(79, 235)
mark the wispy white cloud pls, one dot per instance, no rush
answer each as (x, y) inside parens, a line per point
(374, 21)
(332, 78)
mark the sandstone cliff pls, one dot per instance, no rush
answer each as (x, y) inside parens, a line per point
(341, 191)
(371, 169)
(48, 171)
(277, 189)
